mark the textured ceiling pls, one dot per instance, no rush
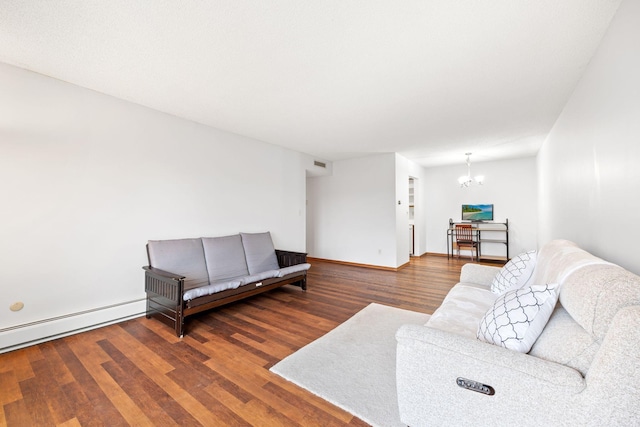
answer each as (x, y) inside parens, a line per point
(428, 79)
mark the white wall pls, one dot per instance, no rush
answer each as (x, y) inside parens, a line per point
(87, 179)
(589, 166)
(354, 212)
(354, 215)
(403, 242)
(509, 184)
(420, 221)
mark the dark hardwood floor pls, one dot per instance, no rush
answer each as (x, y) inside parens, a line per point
(139, 373)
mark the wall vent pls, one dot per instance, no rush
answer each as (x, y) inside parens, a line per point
(321, 164)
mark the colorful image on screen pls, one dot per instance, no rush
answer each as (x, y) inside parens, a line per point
(477, 212)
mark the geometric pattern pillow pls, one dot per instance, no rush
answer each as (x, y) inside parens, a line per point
(517, 318)
(515, 273)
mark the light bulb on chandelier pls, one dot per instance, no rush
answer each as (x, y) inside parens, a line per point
(466, 180)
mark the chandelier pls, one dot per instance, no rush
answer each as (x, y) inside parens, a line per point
(466, 180)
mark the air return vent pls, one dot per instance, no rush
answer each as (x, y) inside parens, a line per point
(317, 163)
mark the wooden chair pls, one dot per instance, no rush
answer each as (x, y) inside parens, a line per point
(464, 239)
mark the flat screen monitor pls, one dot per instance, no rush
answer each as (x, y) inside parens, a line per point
(477, 212)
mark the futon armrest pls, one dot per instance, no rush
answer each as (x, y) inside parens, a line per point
(163, 283)
(289, 258)
(161, 274)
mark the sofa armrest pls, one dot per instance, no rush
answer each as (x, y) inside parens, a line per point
(430, 361)
(163, 274)
(289, 258)
(164, 283)
(476, 273)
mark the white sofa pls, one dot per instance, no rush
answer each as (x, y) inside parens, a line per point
(583, 369)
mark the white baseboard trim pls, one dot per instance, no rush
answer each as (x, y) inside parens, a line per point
(20, 336)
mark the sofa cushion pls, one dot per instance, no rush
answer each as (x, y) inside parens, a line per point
(251, 278)
(210, 289)
(518, 317)
(225, 257)
(515, 273)
(181, 256)
(293, 269)
(594, 294)
(462, 309)
(259, 252)
(564, 341)
(558, 259)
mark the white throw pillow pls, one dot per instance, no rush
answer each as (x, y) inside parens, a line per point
(517, 318)
(515, 273)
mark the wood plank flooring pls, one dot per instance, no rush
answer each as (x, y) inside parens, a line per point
(139, 373)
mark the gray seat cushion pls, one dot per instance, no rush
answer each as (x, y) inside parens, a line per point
(293, 269)
(259, 252)
(259, 276)
(224, 257)
(181, 256)
(211, 289)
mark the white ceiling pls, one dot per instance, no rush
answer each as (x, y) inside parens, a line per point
(429, 79)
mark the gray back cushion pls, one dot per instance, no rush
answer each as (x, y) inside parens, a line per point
(225, 257)
(182, 256)
(259, 251)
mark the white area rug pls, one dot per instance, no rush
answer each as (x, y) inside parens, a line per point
(354, 365)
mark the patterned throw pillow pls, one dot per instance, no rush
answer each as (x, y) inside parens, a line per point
(515, 273)
(518, 317)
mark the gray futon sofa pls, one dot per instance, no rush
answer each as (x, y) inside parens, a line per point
(188, 276)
